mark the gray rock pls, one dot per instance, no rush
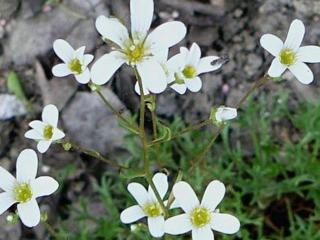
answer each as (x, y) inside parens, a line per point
(8, 7)
(88, 122)
(37, 34)
(58, 91)
(11, 107)
(204, 36)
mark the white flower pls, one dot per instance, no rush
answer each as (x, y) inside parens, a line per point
(148, 206)
(200, 218)
(137, 48)
(225, 114)
(188, 65)
(289, 55)
(46, 131)
(75, 61)
(25, 188)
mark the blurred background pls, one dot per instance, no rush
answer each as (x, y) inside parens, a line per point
(268, 158)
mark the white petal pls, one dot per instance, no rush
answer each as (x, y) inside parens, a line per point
(213, 195)
(309, 54)
(302, 72)
(37, 125)
(194, 85)
(29, 213)
(272, 44)
(103, 69)
(132, 214)
(50, 115)
(156, 226)
(61, 70)
(112, 29)
(166, 35)
(139, 193)
(276, 69)
(27, 165)
(63, 50)
(87, 59)
(162, 56)
(178, 224)
(79, 53)
(43, 145)
(141, 12)
(295, 35)
(205, 64)
(7, 180)
(6, 201)
(177, 62)
(185, 196)
(225, 223)
(179, 88)
(194, 55)
(33, 134)
(57, 134)
(137, 89)
(43, 186)
(84, 77)
(204, 233)
(160, 180)
(152, 75)
(226, 113)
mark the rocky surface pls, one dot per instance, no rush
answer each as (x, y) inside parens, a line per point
(225, 28)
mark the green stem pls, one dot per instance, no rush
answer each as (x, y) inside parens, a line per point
(92, 153)
(155, 132)
(51, 231)
(115, 111)
(207, 148)
(184, 131)
(145, 144)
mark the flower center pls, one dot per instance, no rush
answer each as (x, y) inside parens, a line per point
(200, 217)
(23, 192)
(135, 52)
(288, 57)
(75, 66)
(48, 132)
(152, 210)
(189, 71)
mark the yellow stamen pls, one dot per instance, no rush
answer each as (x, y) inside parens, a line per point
(23, 192)
(75, 66)
(48, 132)
(152, 210)
(189, 71)
(200, 217)
(288, 57)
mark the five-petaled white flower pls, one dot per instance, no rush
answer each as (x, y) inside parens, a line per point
(148, 205)
(200, 218)
(187, 66)
(26, 188)
(225, 113)
(75, 61)
(46, 131)
(137, 48)
(289, 55)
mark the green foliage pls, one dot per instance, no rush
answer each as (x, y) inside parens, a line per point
(268, 159)
(14, 86)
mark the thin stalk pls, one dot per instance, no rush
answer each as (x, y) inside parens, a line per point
(207, 148)
(115, 111)
(93, 153)
(154, 128)
(184, 131)
(50, 229)
(145, 144)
